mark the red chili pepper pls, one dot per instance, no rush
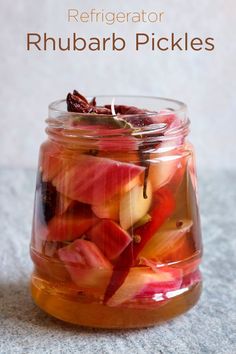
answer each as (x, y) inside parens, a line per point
(164, 205)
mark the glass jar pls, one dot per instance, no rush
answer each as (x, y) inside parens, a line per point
(116, 239)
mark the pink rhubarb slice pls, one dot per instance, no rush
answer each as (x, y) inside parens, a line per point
(164, 241)
(163, 168)
(53, 159)
(88, 267)
(94, 180)
(110, 238)
(142, 282)
(70, 225)
(108, 210)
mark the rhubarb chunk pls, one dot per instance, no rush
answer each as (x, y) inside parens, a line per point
(144, 282)
(70, 225)
(166, 240)
(109, 209)
(94, 180)
(133, 206)
(110, 238)
(53, 160)
(87, 266)
(163, 168)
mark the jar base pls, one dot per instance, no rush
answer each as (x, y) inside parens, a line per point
(97, 315)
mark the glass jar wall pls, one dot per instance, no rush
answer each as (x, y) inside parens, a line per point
(116, 240)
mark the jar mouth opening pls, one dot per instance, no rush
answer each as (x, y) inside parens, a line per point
(96, 126)
(153, 103)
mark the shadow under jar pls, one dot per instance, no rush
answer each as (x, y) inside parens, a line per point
(116, 239)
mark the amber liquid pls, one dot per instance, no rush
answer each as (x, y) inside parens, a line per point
(81, 310)
(55, 290)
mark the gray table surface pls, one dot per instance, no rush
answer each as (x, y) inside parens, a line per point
(208, 328)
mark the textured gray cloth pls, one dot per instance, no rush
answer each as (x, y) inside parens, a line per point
(208, 328)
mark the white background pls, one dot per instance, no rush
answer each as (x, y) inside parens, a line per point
(206, 81)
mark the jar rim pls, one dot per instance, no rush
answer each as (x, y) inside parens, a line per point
(181, 107)
(92, 126)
